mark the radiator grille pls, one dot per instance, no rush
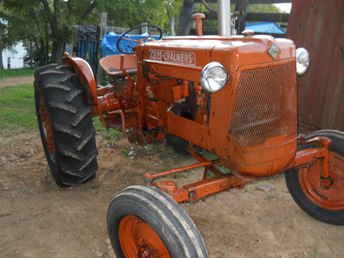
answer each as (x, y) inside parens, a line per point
(264, 105)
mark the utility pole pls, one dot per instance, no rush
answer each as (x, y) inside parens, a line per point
(224, 17)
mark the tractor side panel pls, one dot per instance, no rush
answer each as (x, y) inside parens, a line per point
(319, 26)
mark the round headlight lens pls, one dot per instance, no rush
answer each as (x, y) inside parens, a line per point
(214, 77)
(302, 60)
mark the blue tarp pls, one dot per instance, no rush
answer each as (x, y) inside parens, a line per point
(265, 27)
(108, 44)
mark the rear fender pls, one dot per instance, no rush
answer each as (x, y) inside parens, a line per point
(88, 80)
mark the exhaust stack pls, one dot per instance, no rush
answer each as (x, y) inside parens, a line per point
(224, 17)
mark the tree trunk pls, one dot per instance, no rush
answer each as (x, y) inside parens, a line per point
(1, 62)
(58, 50)
(241, 10)
(185, 18)
(41, 52)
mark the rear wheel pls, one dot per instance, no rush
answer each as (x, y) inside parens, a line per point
(323, 203)
(65, 124)
(145, 222)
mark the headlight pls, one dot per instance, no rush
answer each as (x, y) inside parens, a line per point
(302, 60)
(214, 77)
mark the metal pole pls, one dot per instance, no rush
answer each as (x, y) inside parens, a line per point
(102, 25)
(224, 17)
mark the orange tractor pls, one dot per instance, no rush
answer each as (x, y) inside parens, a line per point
(233, 96)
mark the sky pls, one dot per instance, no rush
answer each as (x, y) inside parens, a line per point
(284, 7)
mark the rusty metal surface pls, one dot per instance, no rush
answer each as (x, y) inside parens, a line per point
(261, 105)
(319, 26)
(270, 153)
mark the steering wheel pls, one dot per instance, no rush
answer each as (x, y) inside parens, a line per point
(132, 42)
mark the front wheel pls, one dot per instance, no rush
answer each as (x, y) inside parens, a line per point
(145, 222)
(323, 203)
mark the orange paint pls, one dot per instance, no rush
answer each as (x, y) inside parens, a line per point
(198, 17)
(139, 240)
(329, 195)
(250, 124)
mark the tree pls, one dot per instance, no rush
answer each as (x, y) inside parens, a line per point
(172, 10)
(262, 8)
(2, 42)
(6, 39)
(238, 7)
(128, 13)
(48, 24)
(188, 7)
(185, 17)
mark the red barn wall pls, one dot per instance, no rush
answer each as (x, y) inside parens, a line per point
(318, 25)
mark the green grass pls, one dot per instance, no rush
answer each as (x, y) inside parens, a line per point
(17, 110)
(108, 134)
(16, 73)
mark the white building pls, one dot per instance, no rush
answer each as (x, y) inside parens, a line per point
(14, 57)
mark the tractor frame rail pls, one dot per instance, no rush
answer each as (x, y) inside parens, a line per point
(221, 182)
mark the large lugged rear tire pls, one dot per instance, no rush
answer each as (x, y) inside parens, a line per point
(146, 222)
(324, 204)
(65, 124)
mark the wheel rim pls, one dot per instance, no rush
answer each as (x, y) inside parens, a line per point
(138, 239)
(45, 125)
(332, 196)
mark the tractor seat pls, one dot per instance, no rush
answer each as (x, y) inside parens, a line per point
(115, 65)
(116, 72)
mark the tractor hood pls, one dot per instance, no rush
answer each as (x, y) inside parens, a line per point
(230, 51)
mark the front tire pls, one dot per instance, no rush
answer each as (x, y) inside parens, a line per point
(65, 125)
(146, 222)
(324, 204)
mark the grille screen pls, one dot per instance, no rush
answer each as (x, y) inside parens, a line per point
(265, 104)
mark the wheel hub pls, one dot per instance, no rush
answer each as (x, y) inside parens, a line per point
(326, 192)
(139, 239)
(146, 252)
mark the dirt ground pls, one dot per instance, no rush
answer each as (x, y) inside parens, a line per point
(16, 81)
(39, 220)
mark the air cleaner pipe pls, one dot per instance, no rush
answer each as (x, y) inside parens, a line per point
(224, 17)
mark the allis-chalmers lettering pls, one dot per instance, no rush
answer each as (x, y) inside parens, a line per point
(173, 56)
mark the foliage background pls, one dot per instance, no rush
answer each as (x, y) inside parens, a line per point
(45, 26)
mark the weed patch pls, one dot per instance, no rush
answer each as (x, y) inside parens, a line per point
(17, 110)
